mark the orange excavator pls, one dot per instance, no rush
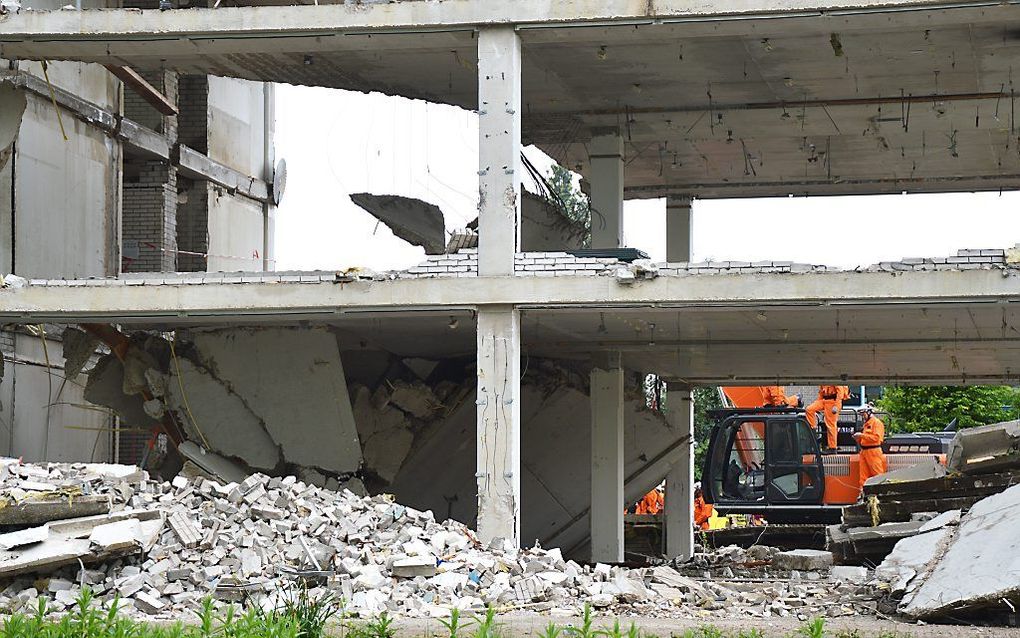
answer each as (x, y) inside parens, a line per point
(764, 458)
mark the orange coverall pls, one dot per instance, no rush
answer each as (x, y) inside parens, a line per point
(873, 460)
(652, 503)
(775, 396)
(702, 512)
(830, 401)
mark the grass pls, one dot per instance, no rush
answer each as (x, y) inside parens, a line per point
(304, 616)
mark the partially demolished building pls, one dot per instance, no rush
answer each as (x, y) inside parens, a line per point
(499, 385)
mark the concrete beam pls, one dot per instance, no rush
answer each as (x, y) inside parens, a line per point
(170, 30)
(499, 425)
(679, 513)
(499, 150)
(223, 299)
(605, 156)
(679, 228)
(141, 86)
(197, 166)
(607, 461)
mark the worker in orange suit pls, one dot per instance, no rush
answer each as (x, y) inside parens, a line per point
(830, 402)
(702, 510)
(775, 397)
(651, 503)
(870, 439)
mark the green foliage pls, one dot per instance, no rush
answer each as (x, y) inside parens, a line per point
(575, 204)
(931, 408)
(705, 399)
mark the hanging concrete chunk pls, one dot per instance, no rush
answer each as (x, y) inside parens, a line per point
(412, 220)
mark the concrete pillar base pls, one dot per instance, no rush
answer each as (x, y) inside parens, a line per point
(607, 461)
(499, 425)
(679, 513)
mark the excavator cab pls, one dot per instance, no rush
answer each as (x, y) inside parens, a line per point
(763, 460)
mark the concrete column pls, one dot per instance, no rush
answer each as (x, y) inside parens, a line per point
(679, 511)
(499, 424)
(679, 226)
(499, 150)
(605, 154)
(607, 460)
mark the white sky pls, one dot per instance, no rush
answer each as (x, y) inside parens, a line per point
(337, 143)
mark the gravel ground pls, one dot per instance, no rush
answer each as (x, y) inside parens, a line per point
(519, 625)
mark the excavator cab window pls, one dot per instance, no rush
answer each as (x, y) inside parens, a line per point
(739, 456)
(794, 471)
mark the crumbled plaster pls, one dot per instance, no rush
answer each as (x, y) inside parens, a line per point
(12, 109)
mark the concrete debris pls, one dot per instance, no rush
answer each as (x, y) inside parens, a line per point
(167, 546)
(930, 468)
(78, 347)
(29, 536)
(413, 220)
(985, 449)
(803, 559)
(211, 463)
(462, 238)
(974, 566)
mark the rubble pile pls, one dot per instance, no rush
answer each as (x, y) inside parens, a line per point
(164, 547)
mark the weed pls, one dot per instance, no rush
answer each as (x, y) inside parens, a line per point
(486, 626)
(814, 628)
(454, 624)
(586, 629)
(552, 630)
(752, 633)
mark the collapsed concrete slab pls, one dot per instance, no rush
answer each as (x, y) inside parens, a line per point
(413, 220)
(292, 380)
(985, 449)
(218, 418)
(978, 568)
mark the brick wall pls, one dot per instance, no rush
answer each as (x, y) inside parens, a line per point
(193, 208)
(149, 224)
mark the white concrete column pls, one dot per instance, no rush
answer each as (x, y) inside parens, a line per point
(499, 424)
(605, 154)
(499, 150)
(679, 228)
(607, 460)
(679, 511)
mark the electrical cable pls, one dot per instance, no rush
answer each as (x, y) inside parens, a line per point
(184, 396)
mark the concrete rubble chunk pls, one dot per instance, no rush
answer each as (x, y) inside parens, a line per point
(927, 469)
(414, 566)
(117, 536)
(10, 540)
(186, 531)
(803, 559)
(985, 448)
(850, 574)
